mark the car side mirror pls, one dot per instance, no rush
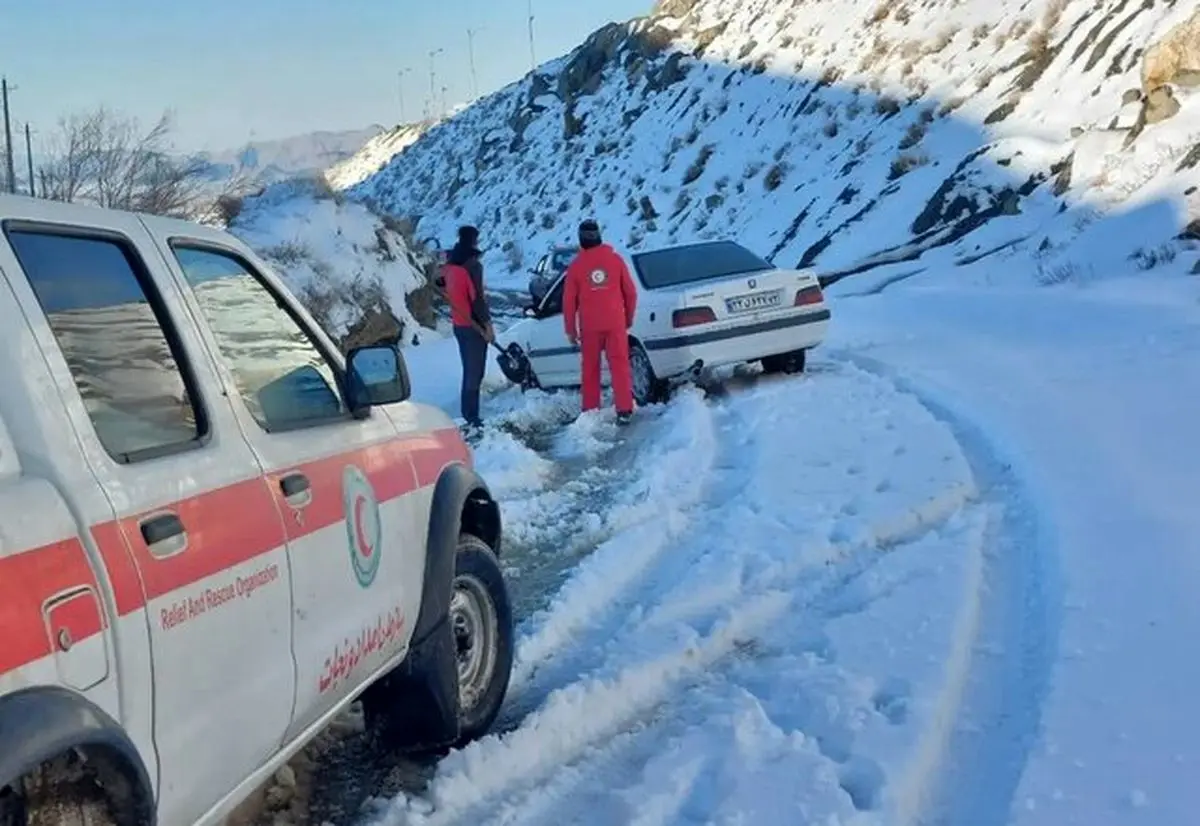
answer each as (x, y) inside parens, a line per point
(376, 375)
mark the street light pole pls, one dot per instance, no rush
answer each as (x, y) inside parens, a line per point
(401, 74)
(532, 52)
(471, 58)
(433, 80)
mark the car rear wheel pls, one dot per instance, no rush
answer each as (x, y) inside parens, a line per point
(482, 625)
(790, 363)
(647, 387)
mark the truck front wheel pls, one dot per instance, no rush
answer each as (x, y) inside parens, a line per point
(482, 625)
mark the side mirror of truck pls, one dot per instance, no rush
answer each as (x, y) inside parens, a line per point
(376, 375)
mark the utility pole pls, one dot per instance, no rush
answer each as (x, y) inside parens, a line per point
(402, 73)
(8, 147)
(471, 58)
(29, 160)
(532, 52)
(433, 80)
(444, 109)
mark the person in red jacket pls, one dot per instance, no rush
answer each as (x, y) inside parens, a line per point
(463, 274)
(599, 300)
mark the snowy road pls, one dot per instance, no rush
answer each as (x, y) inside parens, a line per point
(782, 598)
(937, 580)
(1093, 395)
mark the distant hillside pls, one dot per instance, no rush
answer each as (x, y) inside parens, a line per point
(838, 134)
(272, 161)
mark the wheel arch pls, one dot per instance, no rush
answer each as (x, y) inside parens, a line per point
(45, 723)
(418, 701)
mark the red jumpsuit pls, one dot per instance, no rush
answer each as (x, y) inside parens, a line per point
(600, 290)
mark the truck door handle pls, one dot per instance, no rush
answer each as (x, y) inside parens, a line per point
(296, 488)
(164, 534)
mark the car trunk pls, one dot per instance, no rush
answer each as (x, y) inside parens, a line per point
(744, 297)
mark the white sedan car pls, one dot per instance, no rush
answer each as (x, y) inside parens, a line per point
(700, 306)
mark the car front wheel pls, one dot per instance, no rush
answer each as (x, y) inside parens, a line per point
(482, 625)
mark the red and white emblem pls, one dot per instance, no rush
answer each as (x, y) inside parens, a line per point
(598, 277)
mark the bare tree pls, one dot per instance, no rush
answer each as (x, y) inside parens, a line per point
(104, 158)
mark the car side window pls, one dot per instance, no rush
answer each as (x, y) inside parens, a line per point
(282, 376)
(117, 338)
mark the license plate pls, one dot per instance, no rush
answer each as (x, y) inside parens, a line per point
(754, 301)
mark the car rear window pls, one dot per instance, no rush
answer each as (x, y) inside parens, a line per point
(683, 265)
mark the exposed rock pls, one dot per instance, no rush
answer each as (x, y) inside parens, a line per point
(1160, 105)
(675, 8)
(1176, 55)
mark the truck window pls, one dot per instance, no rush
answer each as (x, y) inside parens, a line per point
(283, 377)
(116, 336)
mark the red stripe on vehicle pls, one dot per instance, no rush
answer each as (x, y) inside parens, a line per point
(28, 581)
(225, 528)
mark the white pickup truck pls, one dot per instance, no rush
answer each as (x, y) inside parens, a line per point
(216, 532)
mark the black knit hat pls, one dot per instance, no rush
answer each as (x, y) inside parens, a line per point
(589, 234)
(468, 236)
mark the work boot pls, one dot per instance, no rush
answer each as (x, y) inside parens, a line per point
(624, 418)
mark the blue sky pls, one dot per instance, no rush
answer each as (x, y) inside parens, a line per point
(232, 70)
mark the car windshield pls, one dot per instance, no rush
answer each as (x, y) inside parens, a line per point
(683, 265)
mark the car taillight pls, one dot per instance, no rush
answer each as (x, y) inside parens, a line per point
(808, 295)
(692, 316)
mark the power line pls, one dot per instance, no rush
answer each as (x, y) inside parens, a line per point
(29, 160)
(8, 146)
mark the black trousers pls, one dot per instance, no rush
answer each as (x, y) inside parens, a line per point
(472, 348)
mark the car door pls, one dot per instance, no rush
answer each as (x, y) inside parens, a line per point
(554, 359)
(341, 482)
(192, 511)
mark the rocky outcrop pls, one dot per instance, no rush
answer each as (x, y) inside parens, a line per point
(1172, 61)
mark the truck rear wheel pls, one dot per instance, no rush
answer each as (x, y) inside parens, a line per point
(482, 624)
(62, 792)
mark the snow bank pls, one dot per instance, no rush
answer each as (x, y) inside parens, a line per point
(346, 263)
(777, 628)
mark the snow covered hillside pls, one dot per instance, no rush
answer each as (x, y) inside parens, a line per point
(836, 133)
(374, 155)
(353, 269)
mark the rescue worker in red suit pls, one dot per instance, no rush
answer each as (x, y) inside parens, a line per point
(599, 300)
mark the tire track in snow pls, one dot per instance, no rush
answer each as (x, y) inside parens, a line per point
(341, 772)
(1010, 663)
(524, 774)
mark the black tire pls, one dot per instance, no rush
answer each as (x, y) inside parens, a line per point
(482, 623)
(647, 387)
(789, 363)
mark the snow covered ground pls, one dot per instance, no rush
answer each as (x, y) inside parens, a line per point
(946, 577)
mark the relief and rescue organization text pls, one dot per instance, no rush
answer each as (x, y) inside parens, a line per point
(387, 632)
(213, 598)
